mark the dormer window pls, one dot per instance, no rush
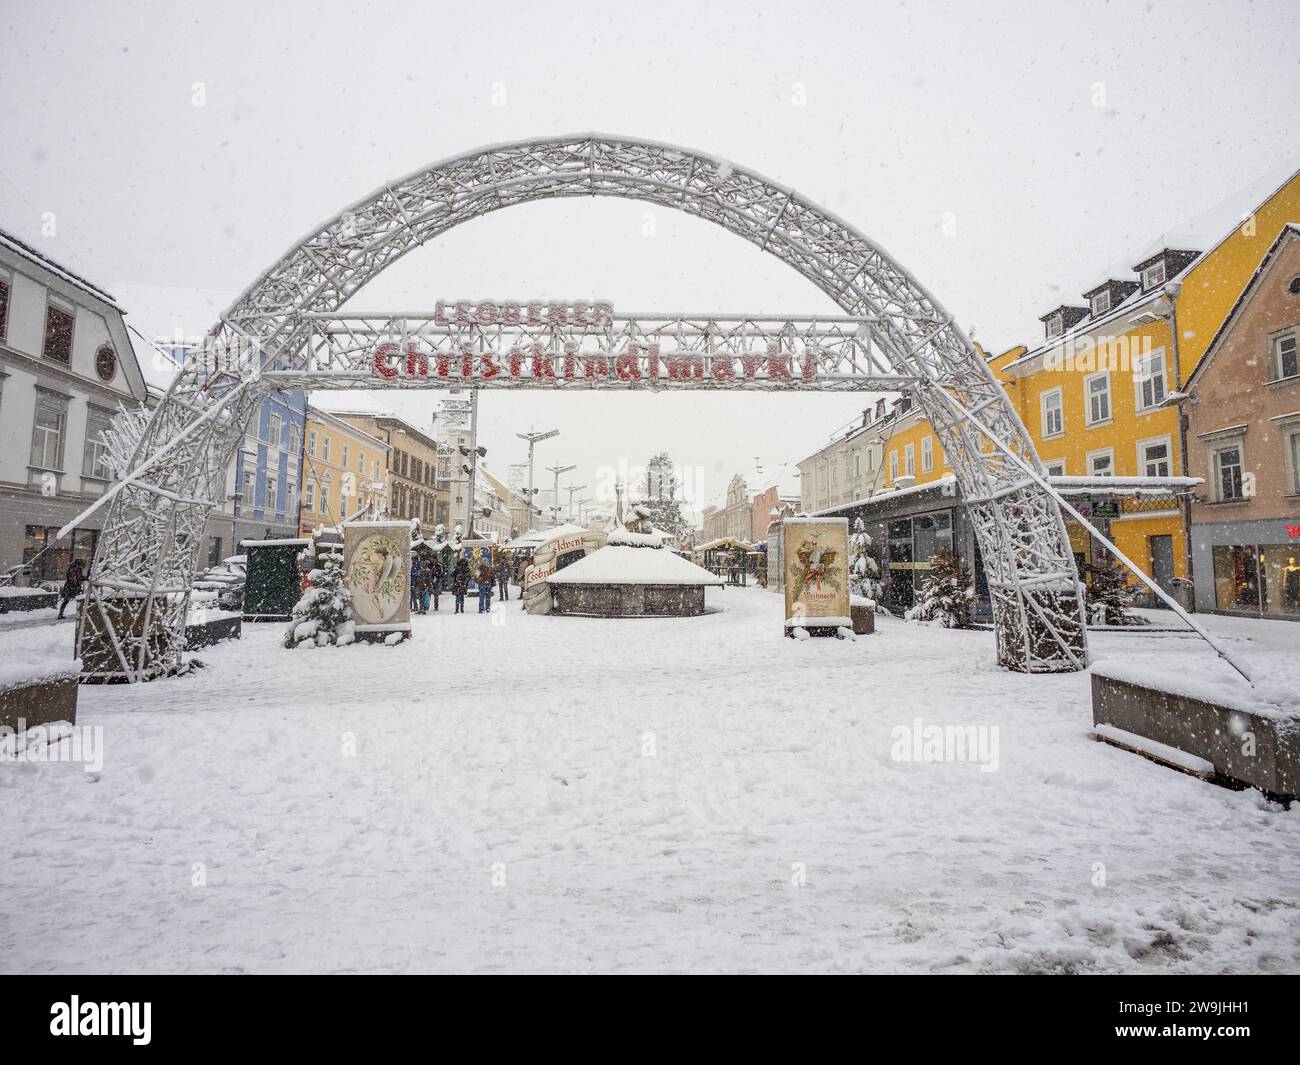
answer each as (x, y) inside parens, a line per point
(1055, 326)
(1100, 303)
(1153, 275)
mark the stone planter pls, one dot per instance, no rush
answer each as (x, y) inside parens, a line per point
(51, 695)
(864, 620)
(215, 630)
(1257, 750)
(13, 604)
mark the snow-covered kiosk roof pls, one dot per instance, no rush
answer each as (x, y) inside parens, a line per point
(619, 564)
(537, 537)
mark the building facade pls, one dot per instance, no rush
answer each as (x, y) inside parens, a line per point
(66, 364)
(1243, 432)
(263, 483)
(344, 472)
(414, 488)
(1100, 395)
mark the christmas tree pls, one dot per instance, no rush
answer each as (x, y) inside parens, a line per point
(1107, 595)
(946, 594)
(864, 570)
(323, 616)
(662, 497)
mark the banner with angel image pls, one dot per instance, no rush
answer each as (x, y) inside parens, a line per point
(376, 558)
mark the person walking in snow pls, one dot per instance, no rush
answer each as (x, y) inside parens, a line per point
(487, 576)
(415, 584)
(503, 580)
(460, 583)
(72, 583)
(434, 572)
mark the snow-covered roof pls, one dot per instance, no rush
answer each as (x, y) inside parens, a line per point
(619, 564)
(726, 541)
(1122, 486)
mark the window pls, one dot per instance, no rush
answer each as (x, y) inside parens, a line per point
(377, 469)
(1055, 468)
(249, 497)
(909, 460)
(1285, 356)
(272, 493)
(274, 429)
(1101, 302)
(361, 463)
(347, 457)
(1053, 416)
(1096, 392)
(4, 307)
(94, 461)
(893, 465)
(1055, 326)
(343, 505)
(1154, 457)
(1153, 275)
(1101, 463)
(1293, 459)
(58, 333)
(927, 454)
(325, 448)
(1149, 380)
(48, 431)
(309, 500)
(311, 443)
(106, 362)
(1226, 465)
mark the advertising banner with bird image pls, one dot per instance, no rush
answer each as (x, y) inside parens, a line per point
(816, 559)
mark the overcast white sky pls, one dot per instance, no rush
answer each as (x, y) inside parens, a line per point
(913, 111)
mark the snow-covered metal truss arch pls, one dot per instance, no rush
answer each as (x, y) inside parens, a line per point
(132, 623)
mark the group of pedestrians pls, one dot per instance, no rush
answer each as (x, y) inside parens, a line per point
(427, 578)
(426, 584)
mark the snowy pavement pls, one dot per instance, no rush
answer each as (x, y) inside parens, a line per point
(566, 794)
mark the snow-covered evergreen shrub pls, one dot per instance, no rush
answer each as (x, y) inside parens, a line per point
(864, 569)
(323, 616)
(946, 594)
(1107, 596)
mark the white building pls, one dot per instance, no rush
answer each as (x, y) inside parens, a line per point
(66, 364)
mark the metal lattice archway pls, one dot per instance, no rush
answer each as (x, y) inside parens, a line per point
(133, 619)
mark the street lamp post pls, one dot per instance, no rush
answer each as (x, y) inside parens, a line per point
(571, 489)
(555, 499)
(533, 439)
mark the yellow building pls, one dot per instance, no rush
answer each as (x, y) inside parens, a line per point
(1100, 395)
(343, 472)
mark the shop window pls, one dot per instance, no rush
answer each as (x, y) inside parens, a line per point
(1279, 566)
(1236, 578)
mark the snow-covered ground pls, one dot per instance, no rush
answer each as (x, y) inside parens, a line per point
(532, 793)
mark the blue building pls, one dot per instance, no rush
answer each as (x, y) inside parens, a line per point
(264, 480)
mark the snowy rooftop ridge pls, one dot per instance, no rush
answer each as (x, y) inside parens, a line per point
(623, 564)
